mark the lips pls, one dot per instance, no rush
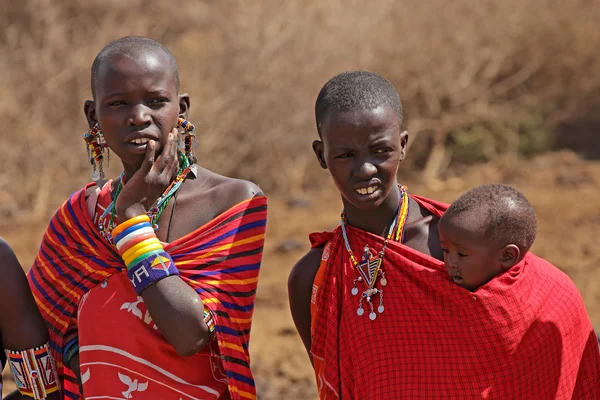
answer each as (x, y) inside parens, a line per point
(139, 141)
(140, 138)
(367, 188)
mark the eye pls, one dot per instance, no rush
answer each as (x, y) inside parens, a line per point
(116, 103)
(462, 254)
(158, 101)
(345, 155)
(383, 150)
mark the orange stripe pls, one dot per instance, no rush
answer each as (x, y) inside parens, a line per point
(76, 230)
(71, 257)
(224, 247)
(242, 393)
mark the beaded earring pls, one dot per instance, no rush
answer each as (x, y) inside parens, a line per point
(187, 130)
(95, 145)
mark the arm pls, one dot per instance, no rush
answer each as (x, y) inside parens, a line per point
(300, 284)
(21, 324)
(175, 307)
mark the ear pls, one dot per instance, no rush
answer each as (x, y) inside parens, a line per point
(184, 105)
(317, 146)
(403, 144)
(89, 109)
(509, 256)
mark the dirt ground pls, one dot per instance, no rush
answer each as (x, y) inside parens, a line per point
(563, 189)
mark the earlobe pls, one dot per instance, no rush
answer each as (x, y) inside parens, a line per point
(184, 105)
(403, 144)
(89, 109)
(510, 255)
(317, 146)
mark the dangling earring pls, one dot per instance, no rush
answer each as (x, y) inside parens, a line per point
(95, 144)
(187, 129)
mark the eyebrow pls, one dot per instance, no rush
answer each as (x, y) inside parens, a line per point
(341, 149)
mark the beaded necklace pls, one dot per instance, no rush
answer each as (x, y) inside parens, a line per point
(155, 211)
(370, 268)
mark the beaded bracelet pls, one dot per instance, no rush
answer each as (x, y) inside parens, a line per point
(34, 371)
(146, 260)
(210, 322)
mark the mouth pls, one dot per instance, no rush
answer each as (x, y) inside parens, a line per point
(367, 190)
(139, 143)
(457, 279)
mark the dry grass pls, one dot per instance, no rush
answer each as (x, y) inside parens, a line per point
(253, 70)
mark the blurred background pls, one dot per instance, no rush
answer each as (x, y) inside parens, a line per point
(493, 92)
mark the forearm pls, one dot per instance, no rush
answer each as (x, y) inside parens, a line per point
(175, 307)
(178, 313)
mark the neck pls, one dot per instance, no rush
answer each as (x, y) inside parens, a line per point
(378, 220)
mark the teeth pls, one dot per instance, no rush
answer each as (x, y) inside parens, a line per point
(140, 141)
(368, 190)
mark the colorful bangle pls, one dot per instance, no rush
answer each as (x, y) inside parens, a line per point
(131, 229)
(34, 371)
(129, 223)
(133, 235)
(134, 251)
(135, 240)
(210, 322)
(141, 251)
(150, 270)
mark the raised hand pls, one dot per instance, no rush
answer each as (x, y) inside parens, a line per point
(150, 181)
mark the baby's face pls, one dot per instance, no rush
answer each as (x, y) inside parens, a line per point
(471, 260)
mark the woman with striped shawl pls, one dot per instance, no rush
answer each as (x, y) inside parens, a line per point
(147, 281)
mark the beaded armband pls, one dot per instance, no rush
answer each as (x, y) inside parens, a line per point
(34, 371)
(210, 322)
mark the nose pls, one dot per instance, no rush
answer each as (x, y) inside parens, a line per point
(364, 169)
(452, 260)
(140, 115)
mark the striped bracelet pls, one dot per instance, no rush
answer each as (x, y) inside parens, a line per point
(34, 371)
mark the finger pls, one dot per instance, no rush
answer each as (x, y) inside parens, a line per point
(149, 157)
(169, 152)
(173, 165)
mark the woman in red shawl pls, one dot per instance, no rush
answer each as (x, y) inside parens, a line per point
(375, 307)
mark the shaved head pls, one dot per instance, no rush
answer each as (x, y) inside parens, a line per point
(502, 211)
(133, 47)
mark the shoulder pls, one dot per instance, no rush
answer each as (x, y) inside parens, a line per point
(7, 255)
(5, 250)
(224, 190)
(304, 272)
(558, 284)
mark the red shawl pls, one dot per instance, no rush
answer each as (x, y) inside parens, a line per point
(525, 334)
(221, 260)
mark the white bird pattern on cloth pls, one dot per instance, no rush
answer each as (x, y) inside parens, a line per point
(133, 385)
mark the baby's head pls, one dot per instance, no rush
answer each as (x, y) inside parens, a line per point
(485, 232)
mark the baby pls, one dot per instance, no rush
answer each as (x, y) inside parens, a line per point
(485, 232)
